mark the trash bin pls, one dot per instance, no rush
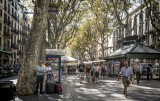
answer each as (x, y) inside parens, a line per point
(7, 89)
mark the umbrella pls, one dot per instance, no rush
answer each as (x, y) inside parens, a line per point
(68, 59)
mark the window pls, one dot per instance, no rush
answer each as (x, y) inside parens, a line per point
(141, 29)
(8, 8)
(0, 12)
(135, 31)
(147, 14)
(147, 26)
(9, 20)
(135, 21)
(0, 43)
(12, 12)
(141, 17)
(0, 26)
(4, 28)
(5, 6)
(1, 1)
(5, 17)
(130, 23)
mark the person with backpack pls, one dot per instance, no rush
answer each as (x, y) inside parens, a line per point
(88, 72)
(81, 71)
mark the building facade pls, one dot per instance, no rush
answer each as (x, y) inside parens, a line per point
(14, 29)
(141, 30)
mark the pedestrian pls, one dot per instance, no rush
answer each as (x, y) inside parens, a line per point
(97, 72)
(81, 71)
(48, 70)
(134, 72)
(151, 72)
(138, 69)
(92, 71)
(40, 77)
(88, 72)
(148, 71)
(126, 73)
(103, 70)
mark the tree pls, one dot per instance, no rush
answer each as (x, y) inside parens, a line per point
(27, 76)
(153, 12)
(85, 41)
(62, 25)
(102, 21)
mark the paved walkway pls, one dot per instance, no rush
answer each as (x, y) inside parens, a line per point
(112, 90)
(108, 89)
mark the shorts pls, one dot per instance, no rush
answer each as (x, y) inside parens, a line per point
(125, 81)
(88, 74)
(96, 74)
(81, 74)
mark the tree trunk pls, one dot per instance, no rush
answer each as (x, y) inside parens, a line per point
(27, 77)
(42, 48)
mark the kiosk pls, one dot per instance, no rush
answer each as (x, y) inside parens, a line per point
(54, 57)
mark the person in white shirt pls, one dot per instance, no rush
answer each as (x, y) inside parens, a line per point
(126, 73)
(138, 69)
(96, 70)
(40, 77)
(48, 70)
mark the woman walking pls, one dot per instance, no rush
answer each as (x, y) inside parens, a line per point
(96, 70)
(88, 72)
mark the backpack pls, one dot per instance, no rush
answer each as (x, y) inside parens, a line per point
(58, 88)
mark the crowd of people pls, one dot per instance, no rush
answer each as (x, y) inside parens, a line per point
(128, 73)
(92, 71)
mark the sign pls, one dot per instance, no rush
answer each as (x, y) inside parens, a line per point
(56, 75)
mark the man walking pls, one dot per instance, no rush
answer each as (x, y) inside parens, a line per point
(81, 71)
(126, 73)
(40, 77)
(138, 69)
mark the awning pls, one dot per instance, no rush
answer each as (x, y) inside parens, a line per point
(135, 51)
(9, 52)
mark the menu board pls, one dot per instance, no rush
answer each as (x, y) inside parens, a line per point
(54, 63)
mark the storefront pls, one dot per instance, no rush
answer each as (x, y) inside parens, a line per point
(132, 53)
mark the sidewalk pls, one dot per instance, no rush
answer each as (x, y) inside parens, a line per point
(64, 96)
(107, 89)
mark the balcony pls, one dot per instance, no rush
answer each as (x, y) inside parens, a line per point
(20, 52)
(20, 42)
(6, 34)
(13, 30)
(6, 21)
(24, 34)
(6, 48)
(26, 28)
(14, 46)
